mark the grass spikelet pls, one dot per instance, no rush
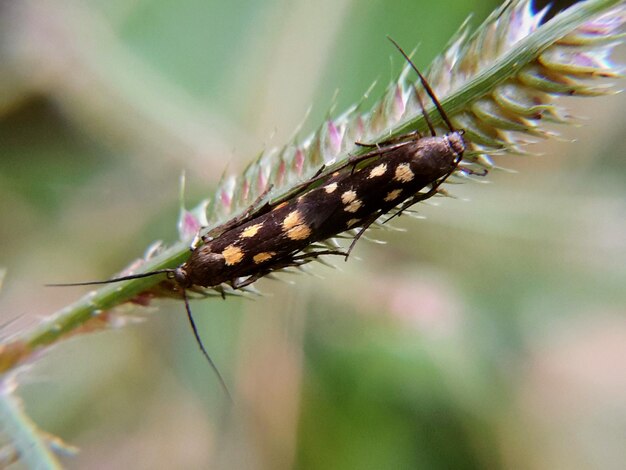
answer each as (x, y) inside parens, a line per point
(499, 83)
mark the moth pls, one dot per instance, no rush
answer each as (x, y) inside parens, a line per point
(352, 197)
(391, 175)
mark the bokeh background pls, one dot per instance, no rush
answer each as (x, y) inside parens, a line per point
(490, 335)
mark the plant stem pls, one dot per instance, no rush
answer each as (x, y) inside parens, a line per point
(25, 437)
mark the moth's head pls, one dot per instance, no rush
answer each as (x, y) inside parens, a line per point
(456, 142)
(181, 277)
(203, 268)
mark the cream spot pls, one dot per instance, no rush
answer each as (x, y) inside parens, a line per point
(353, 206)
(403, 173)
(294, 226)
(299, 232)
(232, 255)
(280, 206)
(348, 197)
(378, 171)
(391, 195)
(264, 256)
(330, 188)
(352, 222)
(251, 231)
(293, 218)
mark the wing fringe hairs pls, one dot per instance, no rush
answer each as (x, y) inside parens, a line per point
(498, 82)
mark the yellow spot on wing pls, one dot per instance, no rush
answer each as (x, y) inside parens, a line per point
(352, 222)
(280, 206)
(391, 195)
(348, 197)
(264, 256)
(293, 218)
(251, 231)
(299, 232)
(353, 206)
(404, 173)
(294, 227)
(378, 170)
(330, 188)
(232, 255)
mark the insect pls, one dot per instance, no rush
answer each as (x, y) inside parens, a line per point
(271, 237)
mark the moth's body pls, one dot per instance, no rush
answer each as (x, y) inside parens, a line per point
(347, 199)
(283, 234)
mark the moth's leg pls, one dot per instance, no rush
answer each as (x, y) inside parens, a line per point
(255, 207)
(239, 284)
(363, 144)
(423, 196)
(197, 241)
(469, 171)
(306, 184)
(414, 135)
(220, 290)
(296, 191)
(365, 226)
(414, 200)
(319, 172)
(253, 210)
(288, 262)
(306, 257)
(350, 161)
(353, 159)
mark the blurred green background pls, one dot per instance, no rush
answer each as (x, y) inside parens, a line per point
(490, 335)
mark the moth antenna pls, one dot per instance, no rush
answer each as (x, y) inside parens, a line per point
(202, 348)
(115, 279)
(425, 113)
(426, 86)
